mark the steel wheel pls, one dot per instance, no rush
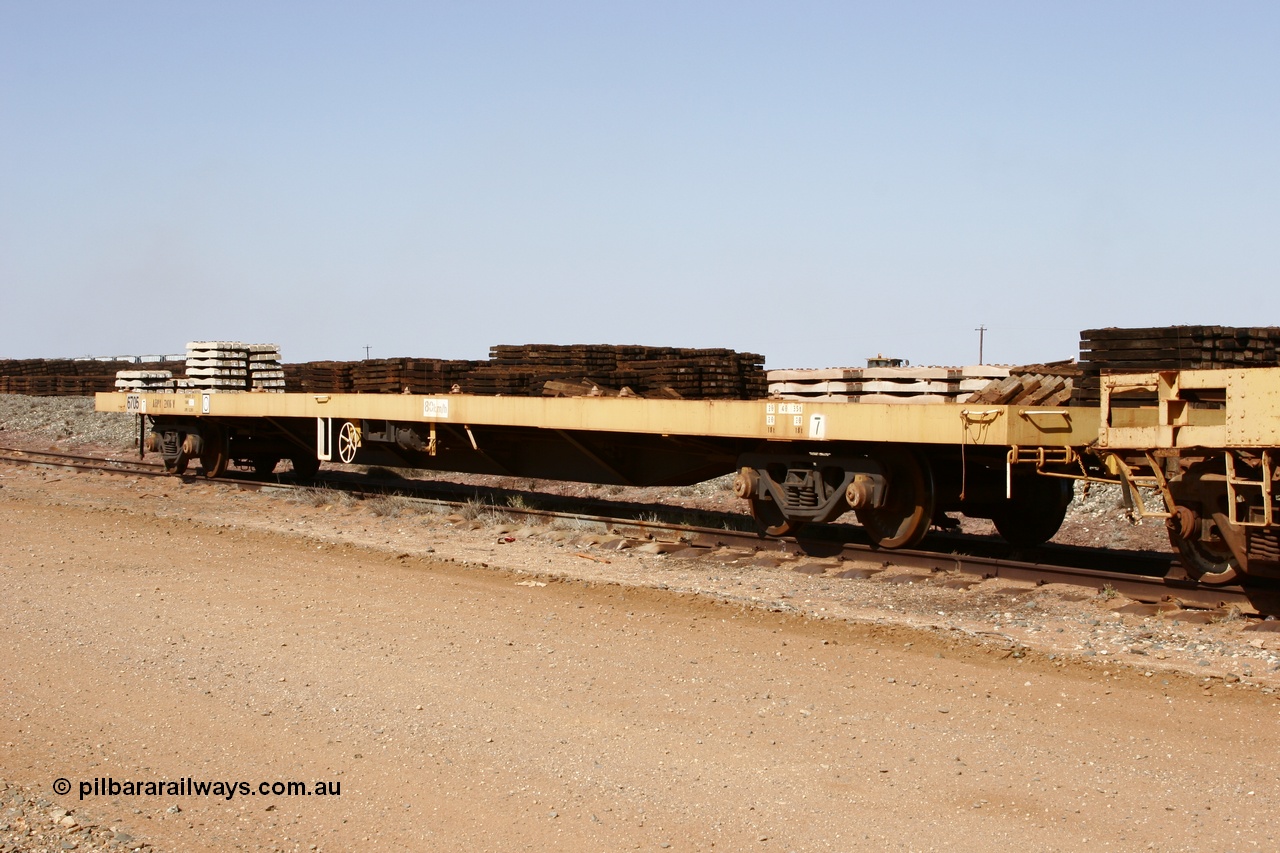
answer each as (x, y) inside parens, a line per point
(263, 465)
(770, 518)
(348, 441)
(1035, 512)
(907, 512)
(1208, 562)
(213, 461)
(305, 467)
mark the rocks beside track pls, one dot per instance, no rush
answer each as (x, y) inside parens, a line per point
(31, 823)
(64, 419)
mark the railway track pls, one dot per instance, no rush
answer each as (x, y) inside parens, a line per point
(77, 462)
(1141, 576)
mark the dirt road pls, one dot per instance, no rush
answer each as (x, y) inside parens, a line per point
(153, 636)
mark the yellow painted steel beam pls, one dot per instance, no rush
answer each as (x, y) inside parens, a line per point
(775, 420)
(1193, 408)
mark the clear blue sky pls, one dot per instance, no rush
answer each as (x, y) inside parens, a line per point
(818, 182)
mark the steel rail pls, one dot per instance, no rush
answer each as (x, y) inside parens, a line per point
(1258, 599)
(76, 462)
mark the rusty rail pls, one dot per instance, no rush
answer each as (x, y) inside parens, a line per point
(1153, 579)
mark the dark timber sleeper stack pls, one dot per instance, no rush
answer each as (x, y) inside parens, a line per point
(526, 370)
(533, 370)
(59, 377)
(1113, 350)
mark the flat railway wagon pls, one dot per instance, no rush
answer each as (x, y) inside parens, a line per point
(1206, 441)
(901, 468)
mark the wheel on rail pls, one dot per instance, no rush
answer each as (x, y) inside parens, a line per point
(348, 441)
(1209, 546)
(214, 457)
(770, 518)
(305, 465)
(1035, 512)
(176, 465)
(264, 465)
(904, 517)
(1206, 562)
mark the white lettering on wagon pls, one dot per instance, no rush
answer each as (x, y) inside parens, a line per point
(435, 408)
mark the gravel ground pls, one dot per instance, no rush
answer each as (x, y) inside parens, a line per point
(31, 823)
(63, 420)
(478, 683)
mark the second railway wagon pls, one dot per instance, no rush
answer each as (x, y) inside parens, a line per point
(900, 467)
(1208, 443)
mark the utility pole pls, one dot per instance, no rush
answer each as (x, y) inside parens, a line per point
(981, 330)
(366, 353)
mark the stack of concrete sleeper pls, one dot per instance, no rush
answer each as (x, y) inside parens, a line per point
(145, 380)
(233, 366)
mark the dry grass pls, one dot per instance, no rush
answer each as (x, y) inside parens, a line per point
(389, 506)
(485, 513)
(310, 496)
(318, 496)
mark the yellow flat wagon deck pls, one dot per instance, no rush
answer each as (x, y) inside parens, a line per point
(767, 420)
